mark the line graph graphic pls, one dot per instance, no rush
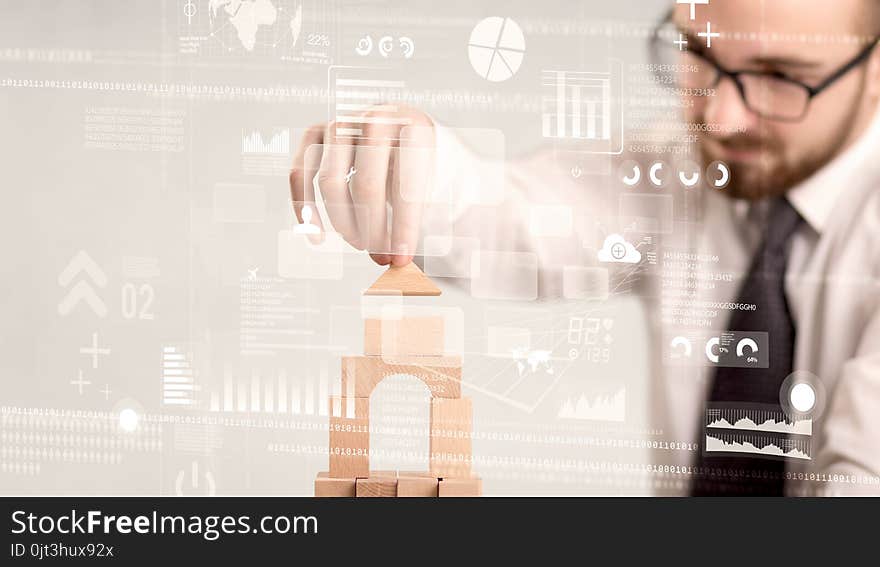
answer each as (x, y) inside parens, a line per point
(610, 407)
(759, 444)
(278, 142)
(767, 419)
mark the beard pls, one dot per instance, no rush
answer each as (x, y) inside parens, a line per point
(773, 171)
(778, 165)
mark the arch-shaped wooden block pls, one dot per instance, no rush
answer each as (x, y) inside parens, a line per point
(441, 374)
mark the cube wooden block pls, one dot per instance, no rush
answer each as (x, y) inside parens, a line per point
(377, 487)
(451, 437)
(442, 374)
(460, 487)
(349, 437)
(327, 487)
(407, 336)
(424, 485)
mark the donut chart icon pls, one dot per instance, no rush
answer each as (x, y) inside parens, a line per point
(658, 179)
(746, 342)
(718, 174)
(710, 349)
(630, 173)
(681, 347)
(689, 174)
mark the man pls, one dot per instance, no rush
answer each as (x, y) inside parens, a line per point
(790, 91)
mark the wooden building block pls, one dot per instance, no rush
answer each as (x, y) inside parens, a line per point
(383, 474)
(451, 437)
(419, 485)
(349, 437)
(441, 374)
(326, 487)
(403, 280)
(407, 336)
(417, 474)
(460, 487)
(377, 487)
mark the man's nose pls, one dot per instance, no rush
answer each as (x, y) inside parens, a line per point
(728, 110)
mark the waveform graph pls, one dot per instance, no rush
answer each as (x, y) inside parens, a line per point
(277, 142)
(757, 444)
(757, 418)
(758, 430)
(265, 151)
(601, 407)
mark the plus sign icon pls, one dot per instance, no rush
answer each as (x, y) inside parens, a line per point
(617, 249)
(693, 4)
(708, 35)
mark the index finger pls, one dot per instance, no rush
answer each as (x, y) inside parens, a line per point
(414, 171)
(300, 187)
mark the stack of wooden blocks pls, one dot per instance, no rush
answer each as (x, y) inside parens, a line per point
(412, 346)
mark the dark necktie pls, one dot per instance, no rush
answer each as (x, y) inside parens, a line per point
(765, 288)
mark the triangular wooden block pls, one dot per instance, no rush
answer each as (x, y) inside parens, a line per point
(403, 280)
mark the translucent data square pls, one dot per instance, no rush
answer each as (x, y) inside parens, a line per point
(504, 275)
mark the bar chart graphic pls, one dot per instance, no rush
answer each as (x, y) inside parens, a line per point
(577, 105)
(178, 386)
(363, 96)
(271, 393)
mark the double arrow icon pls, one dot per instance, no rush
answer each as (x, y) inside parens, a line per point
(82, 291)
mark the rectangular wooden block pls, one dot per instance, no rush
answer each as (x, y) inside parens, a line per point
(407, 336)
(451, 437)
(349, 446)
(383, 474)
(377, 487)
(460, 487)
(422, 486)
(326, 487)
(442, 374)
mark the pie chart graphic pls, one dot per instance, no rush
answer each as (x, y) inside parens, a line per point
(496, 48)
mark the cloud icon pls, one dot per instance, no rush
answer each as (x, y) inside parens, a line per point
(617, 249)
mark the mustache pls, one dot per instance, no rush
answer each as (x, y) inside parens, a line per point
(745, 142)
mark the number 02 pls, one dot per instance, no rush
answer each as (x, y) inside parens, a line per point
(132, 296)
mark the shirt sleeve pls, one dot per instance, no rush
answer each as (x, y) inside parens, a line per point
(851, 448)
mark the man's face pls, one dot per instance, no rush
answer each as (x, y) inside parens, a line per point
(804, 40)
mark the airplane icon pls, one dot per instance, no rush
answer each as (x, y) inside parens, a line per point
(252, 273)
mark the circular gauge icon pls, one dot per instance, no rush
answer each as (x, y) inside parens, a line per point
(688, 174)
(718, 174)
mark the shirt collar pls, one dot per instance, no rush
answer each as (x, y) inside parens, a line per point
(815, 197)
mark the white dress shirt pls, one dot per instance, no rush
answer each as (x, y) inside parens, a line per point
(832, 286)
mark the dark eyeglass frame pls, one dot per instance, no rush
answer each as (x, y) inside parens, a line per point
(812, 91)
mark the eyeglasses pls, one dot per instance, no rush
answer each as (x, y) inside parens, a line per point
(771, 95)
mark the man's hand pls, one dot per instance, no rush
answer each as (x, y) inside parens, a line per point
(359, 176)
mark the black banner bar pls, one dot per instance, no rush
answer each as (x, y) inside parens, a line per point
(240, 530)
